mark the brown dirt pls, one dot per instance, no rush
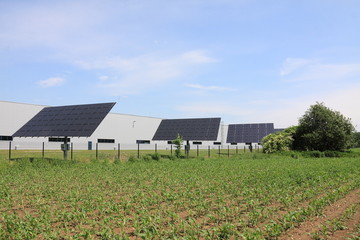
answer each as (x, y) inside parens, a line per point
(350, 227)
(335, 210)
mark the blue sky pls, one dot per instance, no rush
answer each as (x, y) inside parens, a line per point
(245, 61)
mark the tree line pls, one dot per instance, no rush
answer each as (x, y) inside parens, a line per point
(319, 129)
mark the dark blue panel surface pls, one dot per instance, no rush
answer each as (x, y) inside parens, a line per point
(70, 121)
(248, 133)
(205, 129)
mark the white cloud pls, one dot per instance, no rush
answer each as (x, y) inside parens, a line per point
(197, 57)
(103, 78)
(214, 108)
(208, 88)
(286, 112)
(283, 112)
(294, 64)
(63, 30)
(134, 75)
(51, 82)
(311, 70)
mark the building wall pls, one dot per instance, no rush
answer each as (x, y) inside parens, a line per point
(15, 115)
(124, 129)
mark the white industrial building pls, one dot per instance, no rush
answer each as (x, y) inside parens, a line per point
(115, 129)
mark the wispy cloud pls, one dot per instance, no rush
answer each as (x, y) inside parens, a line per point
(214, 109)
(51, 82)
(287, 113)
(283, 112)
(134, 75)
(103, 78)
(208, 88)
(47, 24)
(292, 65)
(305, 70)
(197, 56)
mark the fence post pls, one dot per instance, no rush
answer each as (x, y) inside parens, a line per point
(138, 151)
(236, 150)
(97, 148)
(72, 148)
(244, 149)
(9, 150)
(155, 147)
(43, 150)
(219, 150)
(119, 151)
(209, 151)
(171, 149)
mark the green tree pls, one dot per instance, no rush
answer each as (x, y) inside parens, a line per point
(178, 142)
(323, 129)
(356, 137)
(279, 141)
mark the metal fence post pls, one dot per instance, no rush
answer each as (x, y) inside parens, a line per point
(209, 151)
(228, 150)
(219, 151)
(138, 151)
(97, 149)
(43, 150)
(9, 150)
(71, 153)
(118, 151)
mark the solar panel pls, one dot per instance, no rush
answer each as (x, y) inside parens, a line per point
(61, 121)
(279, 129)
(205, 129)
(248, 133)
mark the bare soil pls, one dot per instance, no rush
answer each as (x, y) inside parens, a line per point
(306, 230)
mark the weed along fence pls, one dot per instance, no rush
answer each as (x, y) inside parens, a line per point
(114, 151)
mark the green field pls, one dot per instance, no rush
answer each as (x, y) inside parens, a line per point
(248, 196)
(112, 155)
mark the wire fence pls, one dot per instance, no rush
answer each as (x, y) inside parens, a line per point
(13, 150)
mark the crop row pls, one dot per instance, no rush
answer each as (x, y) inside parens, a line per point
(240, 197)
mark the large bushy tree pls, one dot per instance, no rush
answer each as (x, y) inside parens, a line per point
(323, 129)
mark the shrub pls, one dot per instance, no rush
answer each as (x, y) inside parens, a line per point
(332, 154)
(356, 137)
(178, 144)
(155, 156)
(147, 158)
(279, 141)
(313, 154)
(132, 159)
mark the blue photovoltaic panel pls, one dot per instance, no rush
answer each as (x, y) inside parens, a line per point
(70, 121)
(248, 133)
(279, 129)
(205, 129)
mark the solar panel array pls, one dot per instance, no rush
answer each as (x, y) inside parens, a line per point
(248, 133)
(205, 129)
(61, 121)
(279, 129)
